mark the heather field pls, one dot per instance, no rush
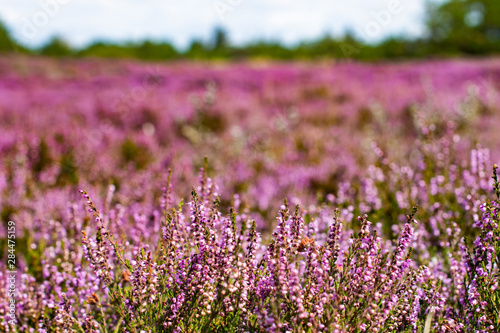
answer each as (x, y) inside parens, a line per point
(249, 197)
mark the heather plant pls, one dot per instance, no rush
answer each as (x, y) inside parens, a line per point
(343, 253)
(212, 272)
(480, 302)
(209, 272)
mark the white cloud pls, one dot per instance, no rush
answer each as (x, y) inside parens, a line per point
(82, 21)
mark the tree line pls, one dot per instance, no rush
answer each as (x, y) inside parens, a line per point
(452, 28)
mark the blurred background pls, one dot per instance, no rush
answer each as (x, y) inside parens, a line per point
(100, 93)
(240, 29)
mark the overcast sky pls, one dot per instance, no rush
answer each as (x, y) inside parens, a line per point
(80, 22)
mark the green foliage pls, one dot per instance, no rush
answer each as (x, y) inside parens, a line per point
(67, 172)
(464, 26)
(196, 50)
(106, 50)
(220, 39)
(135, 153)
(7, 43)
(155, 51)
(42, 158)
(57, 47)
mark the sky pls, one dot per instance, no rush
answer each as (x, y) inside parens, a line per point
(80, 22)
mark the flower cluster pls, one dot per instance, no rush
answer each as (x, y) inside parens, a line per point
(303, 220)
(209, 272)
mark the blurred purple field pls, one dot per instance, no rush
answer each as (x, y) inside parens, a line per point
(272, 130)
(373, 139)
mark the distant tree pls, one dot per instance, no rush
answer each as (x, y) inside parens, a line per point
(197, 50)
(393, 48)
(7, 43)
(266, 50)
(155, 51)
(57, 47)
(220, 40)
(470, 26)
(107, 50)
